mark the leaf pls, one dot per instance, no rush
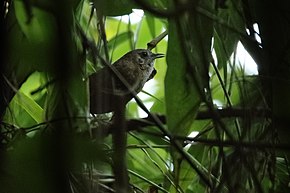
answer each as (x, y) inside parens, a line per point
(151, 24)
(114, 7)
(39, 32)
(24, 164)
(19, 44)
(186, 82)
(119, 39)
(181, 96)
(30, 106)
(225, 39)
(185, 79)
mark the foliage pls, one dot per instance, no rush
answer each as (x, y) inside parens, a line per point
(204, 124)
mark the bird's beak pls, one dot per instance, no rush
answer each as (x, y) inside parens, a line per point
(154, 56)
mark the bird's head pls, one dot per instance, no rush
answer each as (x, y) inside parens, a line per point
(144, 58)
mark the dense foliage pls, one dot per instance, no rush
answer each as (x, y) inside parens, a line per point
(203, 124)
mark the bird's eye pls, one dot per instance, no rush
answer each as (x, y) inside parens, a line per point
(144, 54)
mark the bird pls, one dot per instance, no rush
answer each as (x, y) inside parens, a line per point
(110, 84)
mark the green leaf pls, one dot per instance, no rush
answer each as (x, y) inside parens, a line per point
(119, 39)
(114, 7)
(225, 38)
(24, 165)
(187, 72)
(39, 31)
(151, 24)
(30, 106)
(182, 98)
(19, 63)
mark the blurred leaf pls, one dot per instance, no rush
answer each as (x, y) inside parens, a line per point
(282, 175)
(151, 24)
(145, 32)
(138, 160)
(187, 177)
(26, 168)
(119, 39)
(20, 63)
(158, 106)
(114, 7)
(76, 102)
(40, 32)
(32, 83)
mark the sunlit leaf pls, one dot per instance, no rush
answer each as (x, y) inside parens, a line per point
(151, 24)
(30, 106)
(119, 39)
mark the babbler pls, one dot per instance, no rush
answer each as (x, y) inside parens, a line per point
(106, 88)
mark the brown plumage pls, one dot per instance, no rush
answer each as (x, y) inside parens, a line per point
(135, 68)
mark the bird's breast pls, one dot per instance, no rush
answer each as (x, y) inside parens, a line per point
(137, 77)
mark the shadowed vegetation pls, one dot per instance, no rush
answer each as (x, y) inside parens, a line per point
(204, 123)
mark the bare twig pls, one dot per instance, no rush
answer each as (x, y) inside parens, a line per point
(152, 44)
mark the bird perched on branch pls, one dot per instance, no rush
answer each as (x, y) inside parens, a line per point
(122, 80)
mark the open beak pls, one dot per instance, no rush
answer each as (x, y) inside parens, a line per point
(154, 56)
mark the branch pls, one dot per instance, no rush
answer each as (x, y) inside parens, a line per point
(152, 44)
(134, 124)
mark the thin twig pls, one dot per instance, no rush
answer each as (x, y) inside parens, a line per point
(152, 44)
